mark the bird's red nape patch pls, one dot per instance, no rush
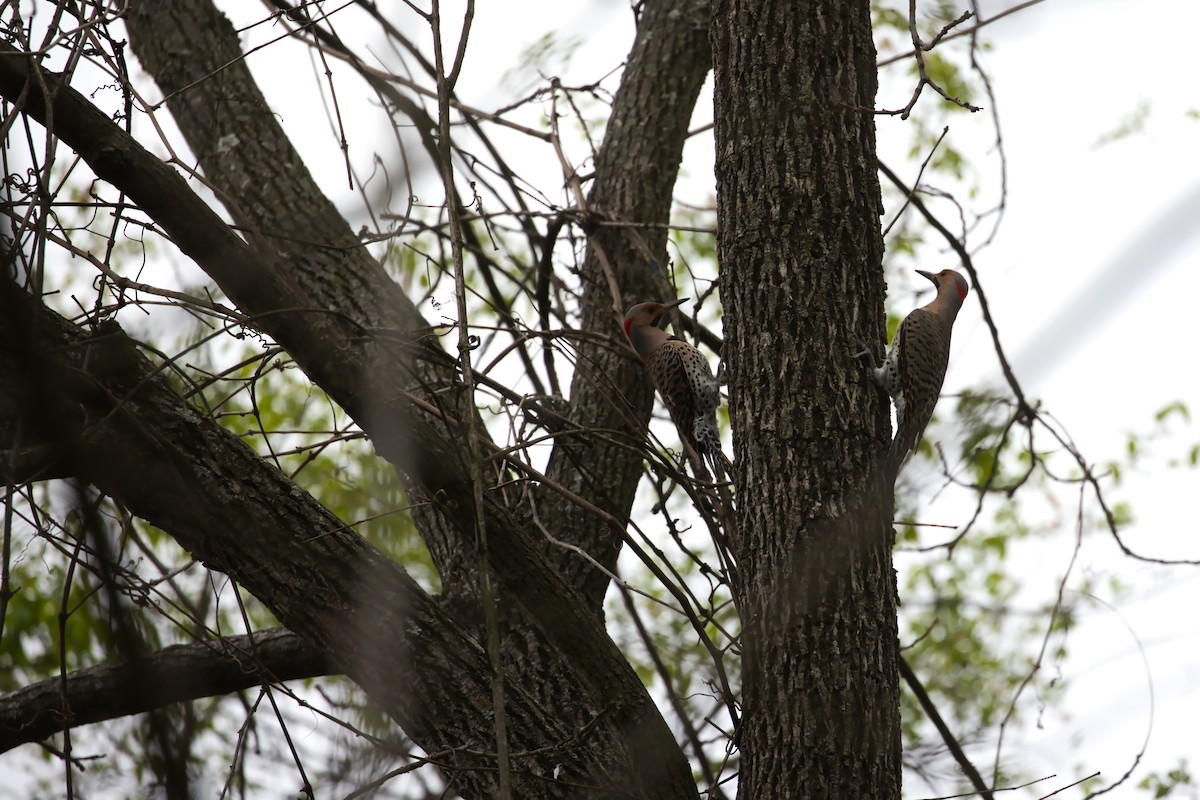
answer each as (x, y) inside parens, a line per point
(628, 322)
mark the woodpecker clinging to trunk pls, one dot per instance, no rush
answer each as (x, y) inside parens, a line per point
(681, 374)
(916, 363)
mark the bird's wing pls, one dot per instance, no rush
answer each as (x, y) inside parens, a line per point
(669, 367)
(923, 350)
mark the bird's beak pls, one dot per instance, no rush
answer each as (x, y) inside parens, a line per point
(932, 278)
(662, 315)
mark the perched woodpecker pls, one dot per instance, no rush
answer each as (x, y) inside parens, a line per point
(916, 363)
(681, 373)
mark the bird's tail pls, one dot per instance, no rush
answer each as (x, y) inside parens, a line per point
(719, 463)
(708, 444)
(903, 444)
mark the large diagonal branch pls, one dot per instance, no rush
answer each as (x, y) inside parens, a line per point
(194, 55)
(120, 426)
(327, 347)
(175, 674)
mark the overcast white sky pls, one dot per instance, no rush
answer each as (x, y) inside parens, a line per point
(1093, 281)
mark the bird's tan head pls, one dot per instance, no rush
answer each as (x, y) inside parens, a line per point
(642, 325)
(648, 315)
(950, 285)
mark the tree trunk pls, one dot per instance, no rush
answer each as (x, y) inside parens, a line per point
(800, 246)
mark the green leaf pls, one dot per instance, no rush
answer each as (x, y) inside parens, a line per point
(1132, 123)
(1177, 407)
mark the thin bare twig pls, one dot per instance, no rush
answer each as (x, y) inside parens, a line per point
(883, 62)
(918, 52)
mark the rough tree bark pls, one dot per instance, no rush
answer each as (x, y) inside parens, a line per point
(800, 245)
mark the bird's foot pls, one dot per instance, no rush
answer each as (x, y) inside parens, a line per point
(865, 356)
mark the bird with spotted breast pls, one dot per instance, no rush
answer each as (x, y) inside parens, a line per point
(915, 365)
(682, 375)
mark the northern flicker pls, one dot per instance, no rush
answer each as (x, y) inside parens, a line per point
(916, 363)
(681, 373)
